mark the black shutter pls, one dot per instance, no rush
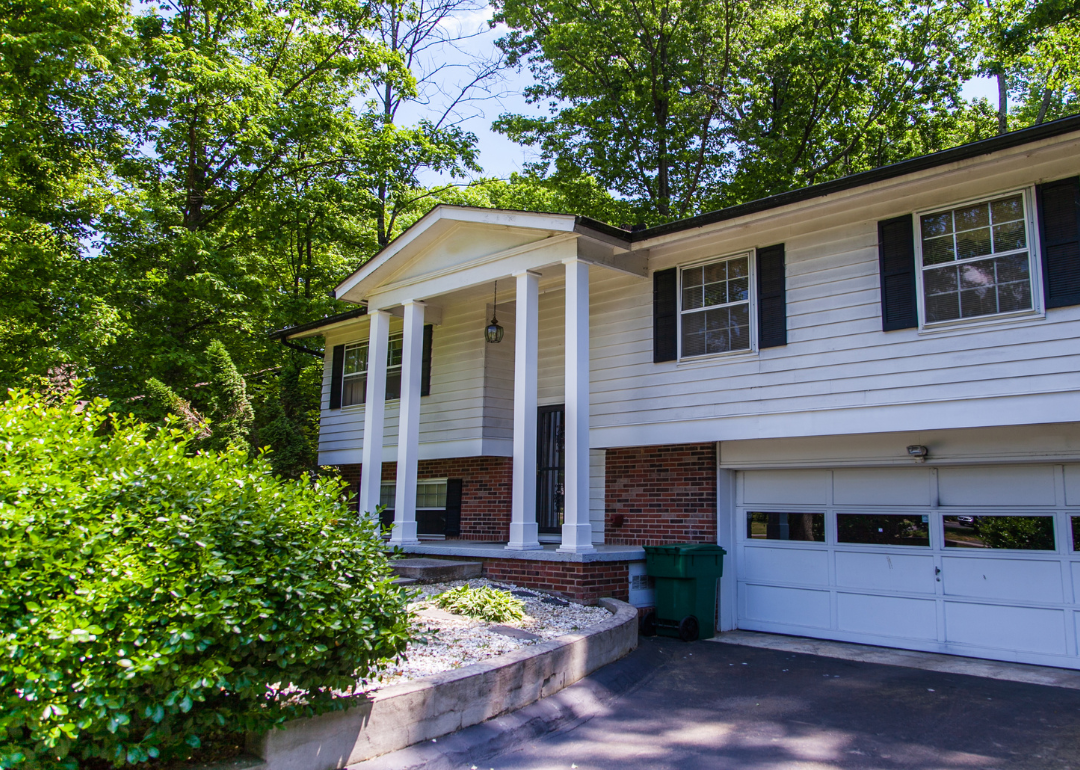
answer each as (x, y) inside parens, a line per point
(1059, 231)
(665, 315)
(425, 363)
(772, 297)
(453, 508)
(337, 372)
(896, 263)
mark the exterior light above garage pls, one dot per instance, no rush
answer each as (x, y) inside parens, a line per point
(918, 452)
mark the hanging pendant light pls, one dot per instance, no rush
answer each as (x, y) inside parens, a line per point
(494, 332)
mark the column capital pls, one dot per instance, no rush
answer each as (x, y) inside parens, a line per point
(414, 302)
(520, 273)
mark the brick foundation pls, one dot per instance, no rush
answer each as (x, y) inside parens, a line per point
(582, 582)
(663, 494)
(485, 493)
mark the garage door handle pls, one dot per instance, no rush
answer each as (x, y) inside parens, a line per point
(937, 573)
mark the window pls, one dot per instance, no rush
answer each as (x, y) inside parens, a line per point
(882, 529)
(430, 506)
(1026, 533)
(808, 527)
(354, 377)
(715, 310)
(430, 494)
(976, 260)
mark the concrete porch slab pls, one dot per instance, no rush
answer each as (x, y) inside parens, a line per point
(926, 661)
(436, 570)
(478, 550)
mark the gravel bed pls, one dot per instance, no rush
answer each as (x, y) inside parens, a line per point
(446, 641)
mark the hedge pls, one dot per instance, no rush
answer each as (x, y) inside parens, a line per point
(152, 598)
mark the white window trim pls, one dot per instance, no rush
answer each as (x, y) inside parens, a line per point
(1037, 310)
(389, 369)
(751, 256)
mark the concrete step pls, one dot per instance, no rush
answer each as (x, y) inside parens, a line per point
(402, 581)
(436, 570)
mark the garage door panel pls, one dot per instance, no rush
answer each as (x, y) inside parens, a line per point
(1072, 485)
(892, 486)
(887, 616)
(785, 565)
(789, 606)
(1076, 580)
(888, 572)
(1023, 629)
(786, 487)
(1002, 579)
(1007, 485)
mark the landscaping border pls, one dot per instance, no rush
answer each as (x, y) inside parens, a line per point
(428, 708)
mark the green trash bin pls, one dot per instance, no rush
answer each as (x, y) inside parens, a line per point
(684, 577)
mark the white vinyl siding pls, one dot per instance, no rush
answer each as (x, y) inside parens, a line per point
(839, 372)
(451, 418)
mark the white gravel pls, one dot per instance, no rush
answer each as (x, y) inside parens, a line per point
(446, 641)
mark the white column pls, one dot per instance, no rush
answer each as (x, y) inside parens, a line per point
(523, 531)
(576, 529)
(374, 408)
(409, 426)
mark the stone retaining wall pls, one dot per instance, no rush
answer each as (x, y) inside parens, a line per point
(405, 714)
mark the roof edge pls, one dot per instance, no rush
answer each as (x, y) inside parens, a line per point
(880, 174)
(289, 331)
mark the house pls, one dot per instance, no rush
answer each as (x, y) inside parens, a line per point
(866, 391)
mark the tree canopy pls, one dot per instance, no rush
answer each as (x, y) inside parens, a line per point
(180, 177)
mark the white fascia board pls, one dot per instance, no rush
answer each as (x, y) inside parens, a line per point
(329, 329)
(532, 256)
(1008, 409)
(458, 214)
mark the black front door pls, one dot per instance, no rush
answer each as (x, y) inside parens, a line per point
(550, 440)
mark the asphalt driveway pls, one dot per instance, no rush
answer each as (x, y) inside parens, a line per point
(709, 705)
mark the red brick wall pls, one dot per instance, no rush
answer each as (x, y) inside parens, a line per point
(485, 494)
(583, 582)
(664, 494)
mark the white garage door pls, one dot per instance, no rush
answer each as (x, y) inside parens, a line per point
(978, 561)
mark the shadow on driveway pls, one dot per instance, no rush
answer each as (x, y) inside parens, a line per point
(707, 705)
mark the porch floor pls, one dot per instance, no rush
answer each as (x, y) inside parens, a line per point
(478, 550)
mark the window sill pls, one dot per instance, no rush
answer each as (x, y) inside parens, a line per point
(715, 358)
(982, 322)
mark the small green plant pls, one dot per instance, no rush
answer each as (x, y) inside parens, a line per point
(486, 603)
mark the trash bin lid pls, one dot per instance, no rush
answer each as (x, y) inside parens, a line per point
(680, 548)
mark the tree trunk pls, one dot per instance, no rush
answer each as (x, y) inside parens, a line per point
(1003, 104)
(1048, 94)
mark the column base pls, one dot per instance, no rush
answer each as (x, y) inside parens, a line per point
(523, 536)
(576, 538)
(404, 533)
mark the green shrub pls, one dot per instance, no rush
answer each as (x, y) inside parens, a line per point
(485, 602)
(152, 598)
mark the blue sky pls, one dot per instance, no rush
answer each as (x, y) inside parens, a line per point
(499, 157)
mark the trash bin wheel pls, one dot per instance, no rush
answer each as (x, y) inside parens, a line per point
(688, 628)
(648, 624)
